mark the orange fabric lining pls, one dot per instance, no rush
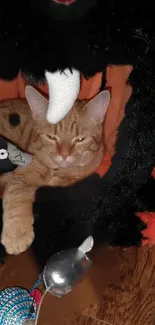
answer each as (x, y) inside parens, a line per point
(120, 92)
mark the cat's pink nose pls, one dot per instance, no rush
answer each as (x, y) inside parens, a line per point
(64, 156)
(64, 151)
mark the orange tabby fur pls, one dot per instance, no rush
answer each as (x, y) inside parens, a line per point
(62, 153)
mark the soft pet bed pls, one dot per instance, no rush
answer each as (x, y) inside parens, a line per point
(50, 218)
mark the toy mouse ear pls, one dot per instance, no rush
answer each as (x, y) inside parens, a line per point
(96, 108)
(37, 102)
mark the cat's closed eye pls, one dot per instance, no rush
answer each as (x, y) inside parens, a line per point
(80, 139)
(51, 137)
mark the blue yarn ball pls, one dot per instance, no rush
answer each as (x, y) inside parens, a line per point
(16, 306)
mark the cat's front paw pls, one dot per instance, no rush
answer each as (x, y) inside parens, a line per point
(17, 239)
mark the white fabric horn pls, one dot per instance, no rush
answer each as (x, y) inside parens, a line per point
(64, 88)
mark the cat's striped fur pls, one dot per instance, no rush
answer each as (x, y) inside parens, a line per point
(62, 154)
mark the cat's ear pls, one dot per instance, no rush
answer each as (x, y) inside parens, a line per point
(37, 102)
(96, 108)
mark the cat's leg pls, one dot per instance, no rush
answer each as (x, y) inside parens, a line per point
(17, 233)
(4, 179)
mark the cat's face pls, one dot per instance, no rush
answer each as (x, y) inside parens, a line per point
(73, 142)
(76, 140)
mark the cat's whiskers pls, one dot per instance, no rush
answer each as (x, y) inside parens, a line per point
(64, 163)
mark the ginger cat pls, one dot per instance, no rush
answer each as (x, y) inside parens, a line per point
(62, 154)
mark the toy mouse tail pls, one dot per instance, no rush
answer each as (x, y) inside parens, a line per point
(64, 88)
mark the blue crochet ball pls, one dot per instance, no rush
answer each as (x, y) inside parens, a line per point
(16, 306)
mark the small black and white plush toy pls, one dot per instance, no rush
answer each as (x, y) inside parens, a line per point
(11, 157)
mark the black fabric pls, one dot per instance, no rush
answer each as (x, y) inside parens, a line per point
(67, 12)
(111, 33)
(85, 43)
